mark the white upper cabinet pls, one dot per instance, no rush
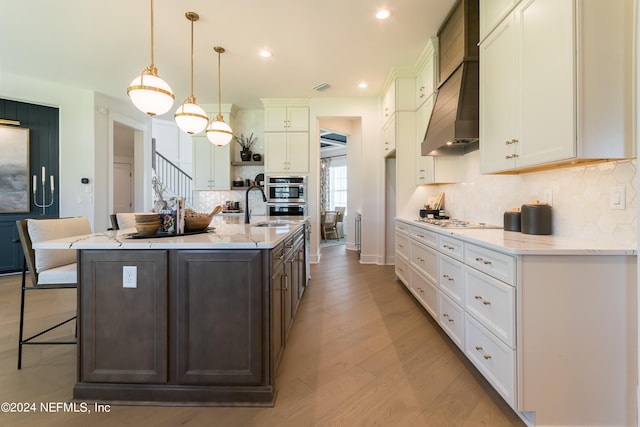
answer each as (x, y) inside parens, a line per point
(556, 85)
(289, 119)
(286, 138)
(426, 72)
(399, 96)
(492, 12)
(286, 152)
(211, 165)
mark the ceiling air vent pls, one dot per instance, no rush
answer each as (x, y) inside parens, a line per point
(321, 87)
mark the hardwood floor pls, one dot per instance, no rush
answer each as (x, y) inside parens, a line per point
(361, 353)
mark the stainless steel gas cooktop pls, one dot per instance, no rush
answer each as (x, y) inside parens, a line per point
(456, 223)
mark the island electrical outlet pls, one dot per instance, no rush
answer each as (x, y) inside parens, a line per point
(129, 276)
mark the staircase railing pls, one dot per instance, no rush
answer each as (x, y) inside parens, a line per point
(176, 181)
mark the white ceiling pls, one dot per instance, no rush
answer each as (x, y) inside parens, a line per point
(103, 45)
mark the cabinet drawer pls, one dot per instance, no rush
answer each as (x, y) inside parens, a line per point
(402, 245)
(496, 264)
(402, 271)
(494, 360)
(425, 292)
(492, 303)
(452, 247)
(425, 260)
(451, 319)
(451, 278)
(401, 227)
(427, 237)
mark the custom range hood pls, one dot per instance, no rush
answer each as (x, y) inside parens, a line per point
(454, 124)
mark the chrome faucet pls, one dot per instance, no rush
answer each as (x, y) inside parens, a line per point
(246, 202)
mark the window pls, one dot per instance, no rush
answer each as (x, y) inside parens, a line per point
(337, 185)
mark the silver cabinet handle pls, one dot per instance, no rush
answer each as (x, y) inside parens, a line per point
(449, 278)
(484, 261)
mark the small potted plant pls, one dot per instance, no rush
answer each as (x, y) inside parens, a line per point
(245, 143)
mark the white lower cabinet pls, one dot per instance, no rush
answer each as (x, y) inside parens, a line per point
(451, 278)
(495, 360)
(553, 333)
(402, 271)
(425, 291)
(491, 302)
(424, 259)
(451, 319)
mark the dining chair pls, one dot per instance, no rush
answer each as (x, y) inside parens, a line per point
(330, 225)
(48, 268)
(340, 222)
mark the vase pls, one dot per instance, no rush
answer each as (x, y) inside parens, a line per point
(245, 155)
(257, 157)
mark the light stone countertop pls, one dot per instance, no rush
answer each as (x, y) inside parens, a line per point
(516, 243)
(229, 232)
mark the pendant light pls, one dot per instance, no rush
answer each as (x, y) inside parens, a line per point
(189, 116)
(218, 132)
(148, 92)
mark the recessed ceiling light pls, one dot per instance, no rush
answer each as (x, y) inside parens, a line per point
(265, 53)
(363, 85)
(383, 14)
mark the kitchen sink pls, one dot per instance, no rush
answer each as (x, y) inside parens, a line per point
(277, 223)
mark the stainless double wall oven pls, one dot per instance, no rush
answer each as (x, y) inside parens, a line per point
(286, 195)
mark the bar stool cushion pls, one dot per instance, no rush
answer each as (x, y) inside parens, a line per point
(64, 274)
(40, 231)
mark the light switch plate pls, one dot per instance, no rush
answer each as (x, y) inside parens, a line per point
(618, 198)
(129, 276)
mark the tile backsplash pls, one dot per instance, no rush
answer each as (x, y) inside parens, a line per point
(580, 198)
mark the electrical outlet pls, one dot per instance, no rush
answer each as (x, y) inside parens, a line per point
(129, 276)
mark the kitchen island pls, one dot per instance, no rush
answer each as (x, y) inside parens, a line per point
(191, 320)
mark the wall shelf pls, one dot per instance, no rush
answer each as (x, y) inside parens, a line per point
(251, 163)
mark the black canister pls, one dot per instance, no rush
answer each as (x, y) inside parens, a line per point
(512, 221)
(536, 219)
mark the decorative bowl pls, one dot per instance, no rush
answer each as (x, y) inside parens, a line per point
(197, 221)
(147, 229)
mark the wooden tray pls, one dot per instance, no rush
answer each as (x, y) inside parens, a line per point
(163, 234)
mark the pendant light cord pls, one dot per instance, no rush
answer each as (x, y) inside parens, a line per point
(191, 57)
(152, 63)
(219, 88)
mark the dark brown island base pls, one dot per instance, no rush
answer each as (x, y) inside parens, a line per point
(188, 320)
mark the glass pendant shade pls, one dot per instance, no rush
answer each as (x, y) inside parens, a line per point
(190, 117)
(219, 133)
(150, 94)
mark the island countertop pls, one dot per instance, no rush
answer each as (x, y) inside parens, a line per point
(229, 232)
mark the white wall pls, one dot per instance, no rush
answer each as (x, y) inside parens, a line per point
(76, 134)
